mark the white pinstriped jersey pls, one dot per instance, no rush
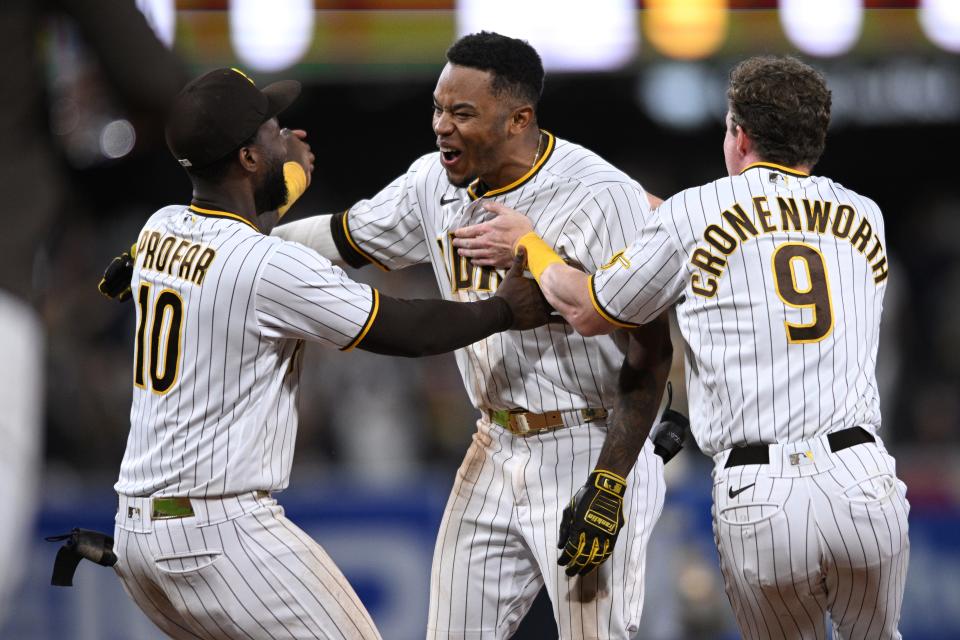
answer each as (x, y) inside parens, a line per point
(578, 202)
(222, 313)
(779, 280)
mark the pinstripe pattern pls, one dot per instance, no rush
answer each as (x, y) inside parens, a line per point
(497, 542)
(249, 574)
(226, 427)
(751, 384)
(825, 537)
(813, 532)
(229, 423)
(580, 204)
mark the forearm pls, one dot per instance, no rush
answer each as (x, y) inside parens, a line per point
(414, 328)
(313, 232)
(568, 291)
(642, 380)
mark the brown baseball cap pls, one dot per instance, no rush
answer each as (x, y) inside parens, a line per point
(219, 111)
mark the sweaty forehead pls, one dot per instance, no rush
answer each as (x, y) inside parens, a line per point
(463, 85)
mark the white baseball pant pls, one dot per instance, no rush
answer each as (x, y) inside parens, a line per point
(811, 534)
(238, 568)
(497, 543)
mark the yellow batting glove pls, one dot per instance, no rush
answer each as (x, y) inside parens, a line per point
(540, 255)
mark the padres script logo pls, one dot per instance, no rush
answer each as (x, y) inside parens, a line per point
(617, 257)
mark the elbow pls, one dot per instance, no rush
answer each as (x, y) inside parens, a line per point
(589, 323)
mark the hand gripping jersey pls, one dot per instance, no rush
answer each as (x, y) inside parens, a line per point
(578, 202)
(497, 541)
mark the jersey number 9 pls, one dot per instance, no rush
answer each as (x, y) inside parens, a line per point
(159, 324)
(810, 291)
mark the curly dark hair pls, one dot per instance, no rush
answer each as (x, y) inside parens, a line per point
(783, 104)
(515, 65)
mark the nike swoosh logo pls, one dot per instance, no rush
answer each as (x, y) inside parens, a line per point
(734, 494)
(445, 201)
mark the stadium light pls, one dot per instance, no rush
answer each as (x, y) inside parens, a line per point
(686, 29)
(822, 27)
(683, 95)
(117, 139)
(161, 15)
(569, 35)
(940, 21)
(271, 36)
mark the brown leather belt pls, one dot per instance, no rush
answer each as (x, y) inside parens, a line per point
(525, 423)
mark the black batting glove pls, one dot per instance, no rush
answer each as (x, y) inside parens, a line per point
(589, 528)
(115, 282)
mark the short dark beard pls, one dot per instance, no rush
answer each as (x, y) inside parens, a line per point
(272, 192)
(462, 184)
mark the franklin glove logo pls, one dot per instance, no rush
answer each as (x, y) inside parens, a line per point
(590, 524)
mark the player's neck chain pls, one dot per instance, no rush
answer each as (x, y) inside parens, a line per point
(536, 156)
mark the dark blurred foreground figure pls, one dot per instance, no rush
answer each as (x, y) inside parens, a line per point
(223, 312)
(778, 278)
(32, 190)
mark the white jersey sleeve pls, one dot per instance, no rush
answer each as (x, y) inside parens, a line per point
(637, 284)
(603, 223)
(301, 295)
(387, 229)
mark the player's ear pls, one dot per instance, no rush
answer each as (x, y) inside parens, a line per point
(520, 119)
(249, 158)
(744, 143)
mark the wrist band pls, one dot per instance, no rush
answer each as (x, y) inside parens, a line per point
(609, 481)
(539, 254)
(296, 179)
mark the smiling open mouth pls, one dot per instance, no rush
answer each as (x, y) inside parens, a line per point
(449, 156)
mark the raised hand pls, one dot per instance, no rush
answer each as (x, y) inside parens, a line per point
(298, 150)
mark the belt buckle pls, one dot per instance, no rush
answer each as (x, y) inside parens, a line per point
(513, 420)
(518, 423)
(168, 508)
(592, 415)
(500, 417)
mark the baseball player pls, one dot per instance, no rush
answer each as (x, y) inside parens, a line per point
(777, 277)
(222, 315)
(544, 395)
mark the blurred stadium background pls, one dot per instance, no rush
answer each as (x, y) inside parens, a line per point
(639, 81)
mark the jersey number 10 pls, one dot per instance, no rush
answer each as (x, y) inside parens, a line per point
(159, 327)
(790, 259)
